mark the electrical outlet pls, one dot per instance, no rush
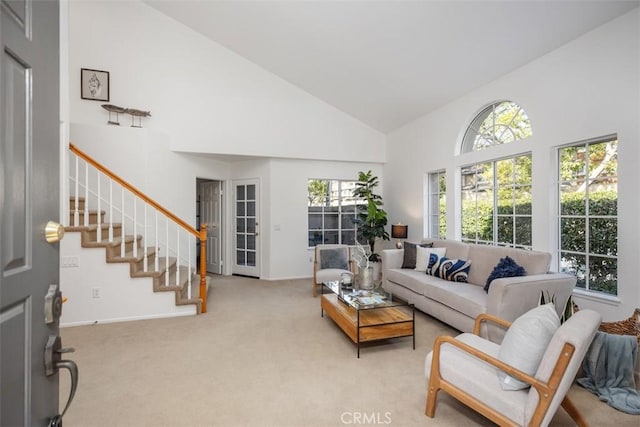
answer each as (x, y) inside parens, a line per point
(69, 261)
(95, 292)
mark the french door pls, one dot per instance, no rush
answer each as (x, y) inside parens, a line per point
(247, 227)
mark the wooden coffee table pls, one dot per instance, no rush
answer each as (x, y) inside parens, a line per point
(368, 316)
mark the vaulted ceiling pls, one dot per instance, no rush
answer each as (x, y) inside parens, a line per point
(387, 63)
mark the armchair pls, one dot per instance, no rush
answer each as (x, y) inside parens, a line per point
(466, 367)
(330, 261)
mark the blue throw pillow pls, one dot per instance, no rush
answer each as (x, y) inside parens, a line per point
(453, 270)
(506, 267)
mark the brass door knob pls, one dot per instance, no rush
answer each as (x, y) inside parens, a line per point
(53, 232)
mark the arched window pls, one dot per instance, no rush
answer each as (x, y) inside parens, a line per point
(496, 192)
(500, 123)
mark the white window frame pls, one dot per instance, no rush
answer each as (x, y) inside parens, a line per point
(340, 197)
(433, 204)
(495, 216)
(586, 290)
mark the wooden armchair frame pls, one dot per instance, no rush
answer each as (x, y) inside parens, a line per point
(546, 391)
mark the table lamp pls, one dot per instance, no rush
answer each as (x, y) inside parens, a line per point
(399, 231)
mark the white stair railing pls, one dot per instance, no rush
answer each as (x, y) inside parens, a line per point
(89, 181)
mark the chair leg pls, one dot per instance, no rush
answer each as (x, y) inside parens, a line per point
(432, 394)
(568, 406)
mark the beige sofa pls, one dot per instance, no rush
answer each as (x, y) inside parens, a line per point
(458, 304)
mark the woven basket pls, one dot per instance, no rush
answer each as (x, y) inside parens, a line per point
(630, 326)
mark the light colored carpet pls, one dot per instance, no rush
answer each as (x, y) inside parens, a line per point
(263, 356)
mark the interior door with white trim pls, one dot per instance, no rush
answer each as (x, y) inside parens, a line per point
(211, 214)
(246, 211)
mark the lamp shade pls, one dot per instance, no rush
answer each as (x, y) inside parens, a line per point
(399, 231)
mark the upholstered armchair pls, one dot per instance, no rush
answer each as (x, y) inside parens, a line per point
(330, 261)
(469, 367)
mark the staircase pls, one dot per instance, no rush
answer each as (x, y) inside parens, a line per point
(165, 279)
(148, 237)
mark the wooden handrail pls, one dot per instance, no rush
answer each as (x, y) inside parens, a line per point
(200, 234)
(133, 189)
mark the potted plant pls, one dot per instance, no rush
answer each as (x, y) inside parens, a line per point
(371, 219)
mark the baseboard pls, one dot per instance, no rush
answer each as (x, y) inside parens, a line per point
(126, 319)
(273, 279)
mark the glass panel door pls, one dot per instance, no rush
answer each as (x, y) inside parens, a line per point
(246, 251)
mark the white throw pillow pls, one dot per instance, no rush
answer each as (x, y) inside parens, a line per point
(525, 342)
(422, 256)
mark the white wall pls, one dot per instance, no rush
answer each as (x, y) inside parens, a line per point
(143, 158)
(588, 88)
(121, 297)
(207, 98)
(287, 247)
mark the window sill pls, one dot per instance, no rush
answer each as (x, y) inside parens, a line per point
(597, 297)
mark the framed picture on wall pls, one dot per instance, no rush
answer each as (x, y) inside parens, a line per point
(94, 84)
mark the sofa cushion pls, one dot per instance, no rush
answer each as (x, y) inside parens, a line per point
(454, 270)
(485, 257)
(409, 255)
(463, 297)
(476, 377)
(329, 275)
(423, 254)
(410, 279)
(506, 267)
(454, 249)
(525, 343)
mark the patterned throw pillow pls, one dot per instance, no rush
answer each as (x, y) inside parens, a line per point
(506, 267)
(409, 256)
(453, 270)
(423, 254)
(337, 258)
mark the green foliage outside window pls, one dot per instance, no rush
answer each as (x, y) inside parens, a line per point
(601, 252)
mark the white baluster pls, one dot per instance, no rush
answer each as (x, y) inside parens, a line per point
(166, 250)
(145, 239)
(157, 261)
(111, 211)
(135, 227)
(189, 273)
(177, 255)
(86, 194)
(76, 212)
(123, 235)
(99, 224)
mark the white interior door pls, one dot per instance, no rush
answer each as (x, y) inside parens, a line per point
(211, 214)
(30, 301)
(246, 259)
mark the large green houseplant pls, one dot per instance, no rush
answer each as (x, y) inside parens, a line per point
(371, 219)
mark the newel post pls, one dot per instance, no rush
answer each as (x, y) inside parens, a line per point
(203, 267)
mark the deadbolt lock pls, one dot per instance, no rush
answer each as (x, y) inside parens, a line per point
(53, 232)
(52, 305)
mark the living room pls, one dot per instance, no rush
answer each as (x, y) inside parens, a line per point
(590, 83)
(220, 116)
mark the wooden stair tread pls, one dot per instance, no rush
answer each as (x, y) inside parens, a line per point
(89, 237)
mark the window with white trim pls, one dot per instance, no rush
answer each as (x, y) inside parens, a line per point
(437, 205)
(500, 123)
(496, 193)
(496, 202)
(588, 214)
(332, 210)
